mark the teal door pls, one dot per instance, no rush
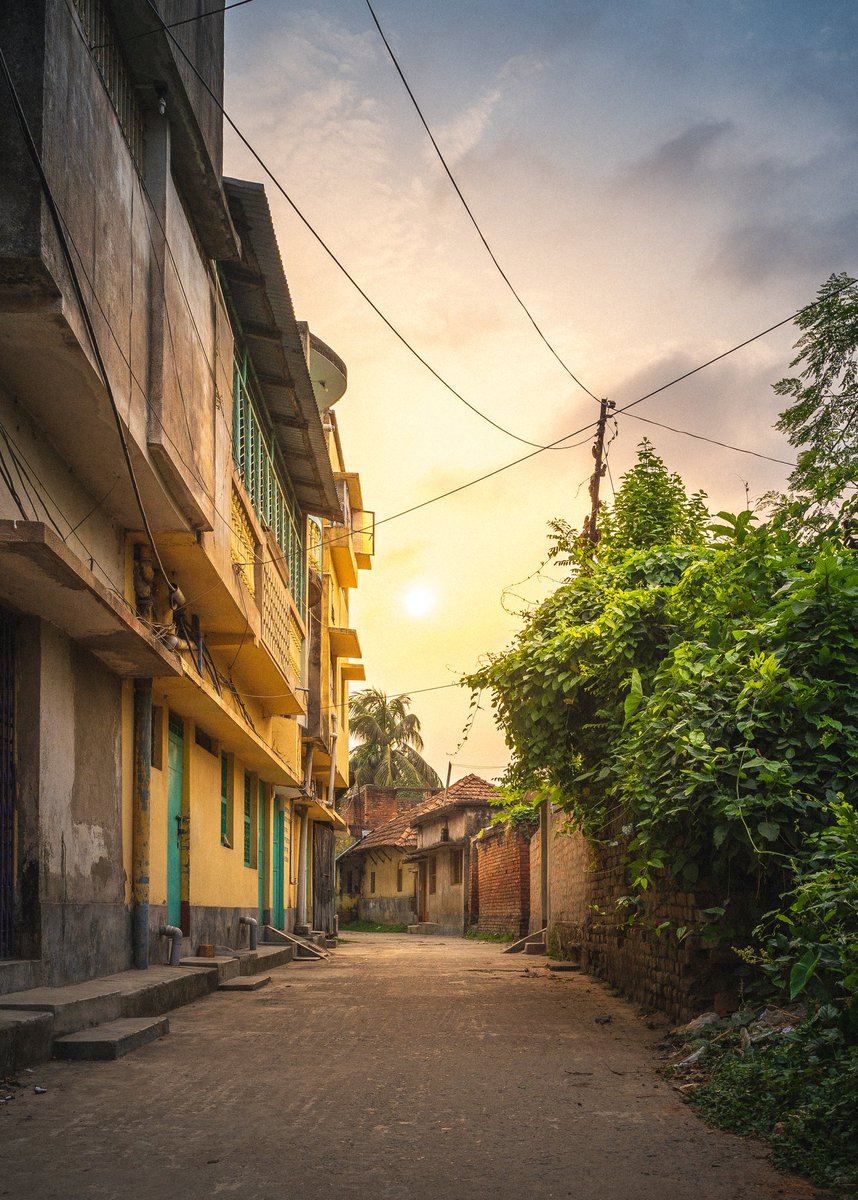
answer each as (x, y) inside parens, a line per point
(176, 761)
(261, 859)
(278, 915)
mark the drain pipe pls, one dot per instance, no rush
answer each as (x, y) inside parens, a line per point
(175, 935)
(253, 925)
(140, 822)
(333, 775)
(301, 899)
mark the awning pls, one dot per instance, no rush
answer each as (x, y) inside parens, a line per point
(40, 575)
(344, 642)
(192, 696)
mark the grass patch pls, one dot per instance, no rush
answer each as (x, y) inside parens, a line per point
(798, 1090)
(371, 927)
(476, 936)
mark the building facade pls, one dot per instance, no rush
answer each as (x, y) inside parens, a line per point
(178, 533)
(442, 856)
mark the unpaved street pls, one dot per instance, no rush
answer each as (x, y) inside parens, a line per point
(399, 1068)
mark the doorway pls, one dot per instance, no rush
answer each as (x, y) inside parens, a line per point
(278, 913)
(175, 824)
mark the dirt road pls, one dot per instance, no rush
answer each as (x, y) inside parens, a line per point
(398, 1068)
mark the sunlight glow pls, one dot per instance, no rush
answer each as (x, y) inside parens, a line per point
(419, 600)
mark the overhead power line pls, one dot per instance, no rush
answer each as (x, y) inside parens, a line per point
(468, 209)
(335, 259)
(212, 12)
(712, 441)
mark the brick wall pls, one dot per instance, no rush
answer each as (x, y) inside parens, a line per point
(370, 807)
(500, 881)
(680, 977)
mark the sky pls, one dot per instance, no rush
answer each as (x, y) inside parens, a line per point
(659, 179)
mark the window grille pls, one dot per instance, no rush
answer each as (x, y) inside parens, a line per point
(266, 481)
(224, 799)
(247, 820)
(113, 69)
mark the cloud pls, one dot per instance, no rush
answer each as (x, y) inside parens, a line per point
(752, 251)
(681, 156)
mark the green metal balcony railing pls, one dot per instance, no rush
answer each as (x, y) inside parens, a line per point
(266, 482)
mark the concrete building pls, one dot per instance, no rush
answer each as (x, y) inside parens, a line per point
(371, 885)
(445, 826)
(178, 533)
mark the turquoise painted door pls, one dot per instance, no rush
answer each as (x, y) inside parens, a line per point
(176, 762)
(261, 858)
(278, 915)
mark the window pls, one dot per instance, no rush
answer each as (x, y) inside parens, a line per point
(225, 806)
(433, 874)
(372, 882)
(456, 857)
(248, 823)
(205, 741)
(262, 471)
(399, 878)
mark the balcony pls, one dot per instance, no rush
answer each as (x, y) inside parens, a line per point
(344, 642)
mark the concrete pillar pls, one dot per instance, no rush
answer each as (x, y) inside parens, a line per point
(141, 821)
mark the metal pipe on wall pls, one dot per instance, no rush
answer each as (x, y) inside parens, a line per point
(141, 822)
(333, 775)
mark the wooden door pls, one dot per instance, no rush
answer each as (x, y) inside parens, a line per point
(324, 891)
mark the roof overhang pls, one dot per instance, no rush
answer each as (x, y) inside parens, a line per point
(260, 296)
(40, 576)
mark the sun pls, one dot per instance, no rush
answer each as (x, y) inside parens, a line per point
(419, 600)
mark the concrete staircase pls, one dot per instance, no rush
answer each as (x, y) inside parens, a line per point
(108, 1017)
(533, 943)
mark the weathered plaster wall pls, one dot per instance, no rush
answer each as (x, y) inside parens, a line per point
(83, 914)
(447, 906)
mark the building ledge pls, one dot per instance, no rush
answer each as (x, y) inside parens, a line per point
(344, 642)
(40, 576)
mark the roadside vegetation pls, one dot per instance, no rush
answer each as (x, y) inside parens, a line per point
(691, 692)
(370, 927)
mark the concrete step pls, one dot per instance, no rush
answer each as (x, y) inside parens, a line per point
(76, 1006)
(25, 1038)
(269, 936)
(245, 983)
(564, 966)
(534, 948)
(518, 946)
(111, 1040)
(265, 958)
(158, 989)
(227, 966)
(19, 974)
(423, 927)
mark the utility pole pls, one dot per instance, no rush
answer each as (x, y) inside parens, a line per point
(591, 531)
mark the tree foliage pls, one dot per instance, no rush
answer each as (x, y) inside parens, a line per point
(822, 419)
(388, 753)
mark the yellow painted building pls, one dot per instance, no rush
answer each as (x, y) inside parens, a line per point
(178, 530)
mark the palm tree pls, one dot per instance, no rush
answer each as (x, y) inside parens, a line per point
(390, 743)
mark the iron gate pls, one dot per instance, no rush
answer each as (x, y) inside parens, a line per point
(7, 785)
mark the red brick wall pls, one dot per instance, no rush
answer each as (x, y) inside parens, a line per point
(500, 881)
(680, 977)
(370, 806)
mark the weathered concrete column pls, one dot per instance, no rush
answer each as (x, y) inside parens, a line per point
(140, 822)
